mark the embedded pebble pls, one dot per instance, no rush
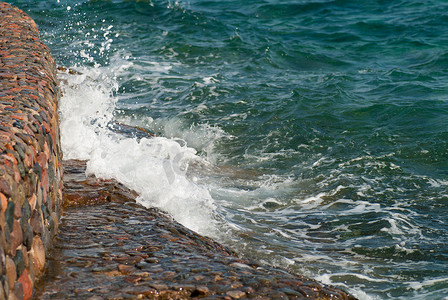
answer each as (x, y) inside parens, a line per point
(236, 294)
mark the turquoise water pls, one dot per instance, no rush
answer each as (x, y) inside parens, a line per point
(311, 135)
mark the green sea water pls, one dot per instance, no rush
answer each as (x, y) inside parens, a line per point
(320, 126)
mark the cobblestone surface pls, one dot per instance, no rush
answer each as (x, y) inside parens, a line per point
(30, 157)
(114, 248)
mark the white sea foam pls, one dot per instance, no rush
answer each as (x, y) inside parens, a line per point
(419, 285)
(359, 294)
(202, 137)
(153, 167)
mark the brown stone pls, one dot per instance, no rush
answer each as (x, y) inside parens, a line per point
(25, 256)
(36, 222)
(3, 295)
(18, 290)
(125, 269)
(32, 269)
(236, 294)
(11, 272)
(141, 291)
(16, 237)
(28, 235)
(54, 217)
(38, 253)
(201, 291)
(44, 182)
(17, 211)
(159, 286)
(32, 201)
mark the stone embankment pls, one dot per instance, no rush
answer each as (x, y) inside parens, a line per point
(30, 159)
(107, 247)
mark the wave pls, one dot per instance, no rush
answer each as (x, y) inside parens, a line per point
(155, 167)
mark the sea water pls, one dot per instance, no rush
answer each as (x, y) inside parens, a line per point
(306, 134)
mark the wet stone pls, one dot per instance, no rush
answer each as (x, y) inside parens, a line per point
(236, 294)
(200, 291)
(125, 269)
(149, 255)
(143, 265)
(151, 260)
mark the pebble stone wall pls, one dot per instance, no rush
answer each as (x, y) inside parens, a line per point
(30, 154)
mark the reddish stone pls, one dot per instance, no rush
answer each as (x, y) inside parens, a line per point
(46, 149)
(27, 285)
(17, 211)
(16, 89)
(42, 159)
(4, 202)
(17, 176)
(44, 181)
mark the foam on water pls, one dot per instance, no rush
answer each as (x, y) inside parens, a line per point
(201, 137)
(154, 167)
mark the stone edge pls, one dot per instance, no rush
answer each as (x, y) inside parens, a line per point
(30, 154)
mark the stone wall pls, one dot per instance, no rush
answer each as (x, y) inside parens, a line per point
(30, 154)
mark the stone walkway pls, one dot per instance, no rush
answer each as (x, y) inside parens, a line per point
(113, 248)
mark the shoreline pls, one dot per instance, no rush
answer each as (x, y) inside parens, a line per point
(110, 247)
(182, 264)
